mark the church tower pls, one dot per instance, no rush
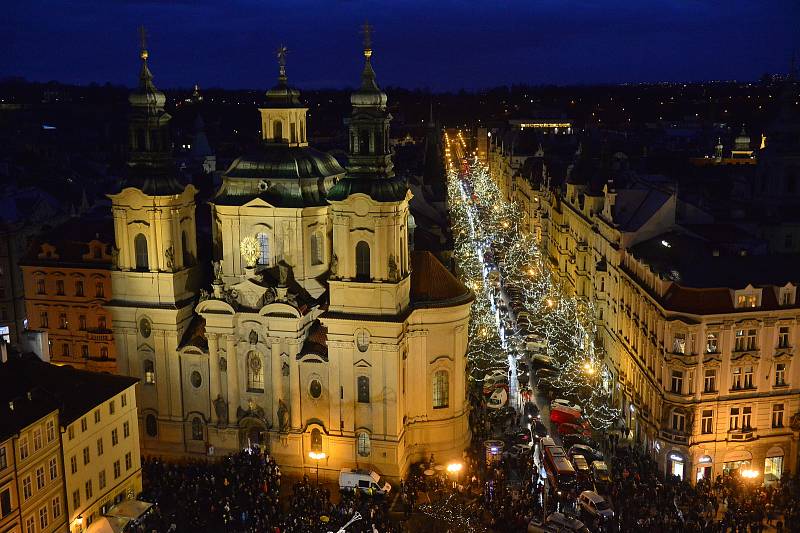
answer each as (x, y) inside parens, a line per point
(154, 276)
(369, 212)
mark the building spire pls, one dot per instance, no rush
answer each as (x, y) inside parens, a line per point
(367, 30)
(145, 76)
(368, 82)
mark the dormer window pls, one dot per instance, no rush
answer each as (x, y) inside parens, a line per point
(748, 298)
(787, 294)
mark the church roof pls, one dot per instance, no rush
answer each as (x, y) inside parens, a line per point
(381, 190)
(432, 284)
(284, 176)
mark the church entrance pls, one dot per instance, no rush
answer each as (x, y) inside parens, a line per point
(253, 433)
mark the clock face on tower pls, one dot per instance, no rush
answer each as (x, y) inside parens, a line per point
(250, 250)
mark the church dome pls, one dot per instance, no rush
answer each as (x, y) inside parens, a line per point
(285, 176)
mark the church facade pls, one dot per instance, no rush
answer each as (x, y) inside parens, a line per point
(320, 331)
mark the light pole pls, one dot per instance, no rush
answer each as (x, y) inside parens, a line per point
(455, 468)
(317, 456)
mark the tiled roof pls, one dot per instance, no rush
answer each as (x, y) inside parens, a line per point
(432, 284)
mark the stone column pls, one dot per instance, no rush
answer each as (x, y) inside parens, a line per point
(294, 383)
(233, 378)
(277, 377)
(213, 372)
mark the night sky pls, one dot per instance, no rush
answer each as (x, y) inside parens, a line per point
(438, 44)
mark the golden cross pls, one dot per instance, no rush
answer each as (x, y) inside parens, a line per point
(366, 29)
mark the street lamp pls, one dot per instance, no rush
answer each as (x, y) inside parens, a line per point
(455, 468)
(749, 473)
(317, 456)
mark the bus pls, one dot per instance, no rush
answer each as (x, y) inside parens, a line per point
(559, 470)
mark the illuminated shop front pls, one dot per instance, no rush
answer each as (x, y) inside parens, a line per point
(773, 465)
(705, 468)
(676, 464)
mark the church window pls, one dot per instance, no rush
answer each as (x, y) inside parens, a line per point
(255, 373)
(149, 372)
(364, 444)
(315, 388)
(197, 428)
(187, 254)
(277, 131)
(263, 249)
(316, 440)
(441, 389)
(140, 244)
(363, 142)
(363, 389)
(316, 248)
(151, 425)
(362, 261)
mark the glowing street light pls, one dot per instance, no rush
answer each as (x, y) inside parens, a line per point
(749, 473)
(317, 456)
(455, 469)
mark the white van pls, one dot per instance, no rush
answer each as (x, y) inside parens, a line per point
(367, 481)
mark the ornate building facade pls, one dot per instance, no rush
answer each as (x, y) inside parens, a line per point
(320, 331)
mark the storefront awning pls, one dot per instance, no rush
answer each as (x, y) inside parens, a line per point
(108, 524)
(130, 509)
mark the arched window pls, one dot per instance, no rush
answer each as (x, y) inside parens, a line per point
(277, 131)
(362, 261)
(364, 444)
(197, 428)
(316, 440)
(151, 425)
(263, 249)
(255, 373)
(187, 254)
(363, 142)
(363, 389)
(103, 352)
(441, 389)
(149, 372)
(140, 245)
(316, 248)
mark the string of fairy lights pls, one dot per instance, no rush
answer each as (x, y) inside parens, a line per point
(493, 253)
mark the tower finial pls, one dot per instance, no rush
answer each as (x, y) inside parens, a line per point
(367, 30)
(281, 54)
(143, 43)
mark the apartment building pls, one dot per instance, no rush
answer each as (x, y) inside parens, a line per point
(699, 334)
(87, 445)
(66, 276)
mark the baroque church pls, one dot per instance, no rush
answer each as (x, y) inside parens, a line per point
(319, 330)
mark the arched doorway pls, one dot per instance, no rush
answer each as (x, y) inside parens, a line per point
(253, 432)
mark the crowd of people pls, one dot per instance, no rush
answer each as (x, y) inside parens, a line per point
(242, 494)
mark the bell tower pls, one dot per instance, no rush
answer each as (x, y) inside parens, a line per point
(154, 272)
(369, 210)
(283, 117)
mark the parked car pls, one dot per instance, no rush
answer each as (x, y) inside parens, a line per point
(601, 477)
(569, 429)
(530, 410)
(493, 380)
(589, 453)
(566, 404)
(594, 505)
(560, 415)
(538, 429)
(521, 450)
(540, 360)
(367, 481)
(557, 522)
(577, 438)
(583, 472)
(498, 399)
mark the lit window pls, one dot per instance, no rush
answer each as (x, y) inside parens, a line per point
(707, 425)
(783, 337)
(780, 374)
(363, 389)
(441, 389)
(149, 372)
(263, 249)
(255, 372)
(364, 444)
(679, 343)
(712, 343)
(777, 415)
(316, 440)
(746, 300)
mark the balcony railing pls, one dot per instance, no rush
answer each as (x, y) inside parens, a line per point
(742, 435)
(677, 437)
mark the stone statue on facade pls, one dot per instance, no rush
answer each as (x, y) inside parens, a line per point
(169, 255)
(221, 408)
(283, 416)
(114, 257)
(283, 274)
(217, 271)
(253, 337)
(334, 266)
(394, 273)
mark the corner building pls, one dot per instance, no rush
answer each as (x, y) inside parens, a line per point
(319, 331)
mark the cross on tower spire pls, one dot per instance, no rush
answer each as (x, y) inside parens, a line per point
(367, 30)
(143, 42)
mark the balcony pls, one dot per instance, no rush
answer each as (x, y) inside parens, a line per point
(742, 435)
(100, 335)
(674, 436)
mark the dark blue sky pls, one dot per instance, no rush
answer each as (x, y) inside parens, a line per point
(441, 44)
